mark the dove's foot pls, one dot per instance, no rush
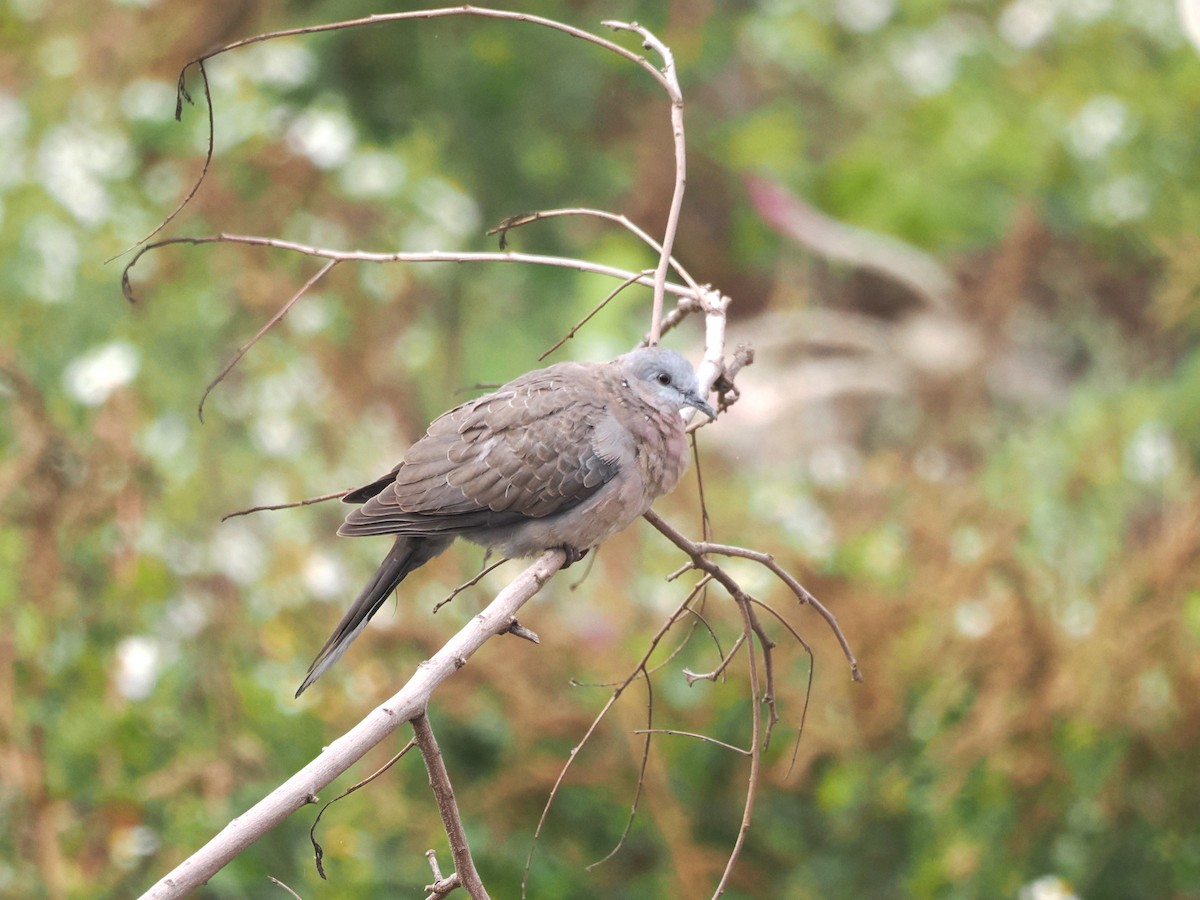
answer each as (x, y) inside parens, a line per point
(574, 555)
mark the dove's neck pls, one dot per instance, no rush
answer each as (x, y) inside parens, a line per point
(660, 442)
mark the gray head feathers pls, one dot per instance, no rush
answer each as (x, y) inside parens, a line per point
(667, 377)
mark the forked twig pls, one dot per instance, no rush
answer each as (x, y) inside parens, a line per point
(666, 78)
(409, 702)
(693, 677)
(439, 781)
(698, 550)
(519, 221)
(443, 885)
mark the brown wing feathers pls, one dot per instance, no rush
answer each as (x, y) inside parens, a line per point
(525, 452)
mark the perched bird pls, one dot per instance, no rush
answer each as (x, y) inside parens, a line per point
(562, 457)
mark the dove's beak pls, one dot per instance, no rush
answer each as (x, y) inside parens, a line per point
(695, 400)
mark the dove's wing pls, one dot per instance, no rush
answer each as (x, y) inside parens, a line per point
(540, 445)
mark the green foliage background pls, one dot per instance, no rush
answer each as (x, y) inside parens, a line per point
(1014, 550)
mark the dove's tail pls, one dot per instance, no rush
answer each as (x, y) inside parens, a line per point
(407, 554)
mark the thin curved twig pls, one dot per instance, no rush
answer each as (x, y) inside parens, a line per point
(693, 677)
(812, 665)
(691, 734)
(648, 731)
(595, 309)
(802, 594)
(624, 221)
(671, 83)
(483, 573)
(431, 256)
(318, 850)
(271, 323)
(639, 669)
(181, 95)
(271, 507)
(756, 747)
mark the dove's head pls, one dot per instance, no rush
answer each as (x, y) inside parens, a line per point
(667, 377)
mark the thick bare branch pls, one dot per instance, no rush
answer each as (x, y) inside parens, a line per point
(406, 704)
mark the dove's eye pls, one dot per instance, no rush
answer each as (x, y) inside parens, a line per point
(664, 379)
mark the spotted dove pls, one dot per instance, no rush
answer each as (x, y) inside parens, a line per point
(562, 457)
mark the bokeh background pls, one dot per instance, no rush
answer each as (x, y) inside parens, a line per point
(991, 481)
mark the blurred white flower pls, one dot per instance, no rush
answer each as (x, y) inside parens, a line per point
(128, 845)
(973, 619)
(187, 615)
(325, 136)
(73, 161)
(1121, 200)
(91, 378)
(1026, 22)
(138, 661)
(863, 15)
(928, 61)
(454, 211)
(373, 174)
(1150, 454)
(834, 464)
(1078, 618)
(237, 552)
(281, 64)
(14, 118)
(276, 434)
(49, 260)
(164, 438)
(1087, 10)
(324, 576)
(1048, 887)
(1102, 122)
(148, 99)
(1189, 18)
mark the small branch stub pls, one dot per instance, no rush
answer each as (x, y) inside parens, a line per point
(516, 629)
